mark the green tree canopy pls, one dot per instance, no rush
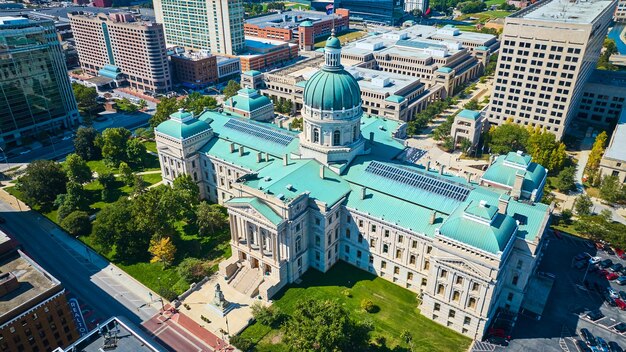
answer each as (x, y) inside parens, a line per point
(612, 190)
(323, 325)
(85, 96)
(164, 109)
(113, 143)
(85, 143)
(196, 102)
(507, 137)
(231, 89)
(566, 179)
(583, 205)
(107, 181)
(42, 182)
(77, 223)
(136, 151)
(597, 151)
(210, 218)
(76, 169)
(192, 269)
(546, 150)
(115, 227)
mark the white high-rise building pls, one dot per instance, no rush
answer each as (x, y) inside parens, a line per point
(548, 51)
(211, 25)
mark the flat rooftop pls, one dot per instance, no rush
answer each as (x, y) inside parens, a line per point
(290, 19)
(33, 281)
(119, 335)
(260, 46)
(564, 11)
(617, 148)
(61, 13)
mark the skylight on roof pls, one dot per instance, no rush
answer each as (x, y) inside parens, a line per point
(259, 131)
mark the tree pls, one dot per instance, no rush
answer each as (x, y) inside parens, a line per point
(142, 104)
(156, 210)
(604, 61)
(126, 105)
(107, 181)
(583, 205)
(77, 223)
(116, 227)
(162, 250)
(323, 325)
(139, 185)
(74, 199)
(231, 89)
(113, 144)
(42, 182)
(266, 315)
(297, 123)
(210, 218)
(76, 169)
(472, 105)
(187, 189)
(597, 151)
(473, 7)
(466, 144)
(546, 150)
(196, 103)
(85, 143)
(136, 151)
(85, 96)
(407, 337)
(192, 269)
(367, 305)
(126, 174)
(164, 109)
(566, 179)
(611, 189)
(507, 137)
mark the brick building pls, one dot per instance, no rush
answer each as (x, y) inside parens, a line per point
(264, 53)
(194, 69)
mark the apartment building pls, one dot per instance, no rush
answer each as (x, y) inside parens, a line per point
(215, 26)
(343, 189)
(34, 310)
(444, 56)
(36, 94)
(120, 43)
(549, 51)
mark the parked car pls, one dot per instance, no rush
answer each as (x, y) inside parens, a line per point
(614, 347)
(611, 276)
(603, 273)
(602, 345)
(620, 253)
(622, 295)
(621, 281)
(595, 315)
(582, 256)
(595, 260)
(621, 327)
(582, 346)
(605, 263)
(613, 292)
(616, 267)
(620, 304)
(608, 249)
(588, 337)
(609, 300)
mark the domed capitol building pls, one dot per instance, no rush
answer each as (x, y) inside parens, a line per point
(342, 189)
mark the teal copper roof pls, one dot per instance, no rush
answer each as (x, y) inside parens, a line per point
(259, 206)
(333, 42)
(444, 69)
(503, 172)
(301, 84)
(482, 47)
(182, 129)
(395, 98)
(248, 100)
(483, 210)
(490, 237)
(252, 73)
(306, 24)
(332, 90)
(469, 114)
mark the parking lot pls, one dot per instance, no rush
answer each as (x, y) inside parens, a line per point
(568, 303)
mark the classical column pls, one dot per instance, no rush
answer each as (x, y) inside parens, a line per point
(275, 246)
(248, 234)
(233, 228)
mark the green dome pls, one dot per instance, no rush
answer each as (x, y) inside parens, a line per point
(332, 90)
(333, 42)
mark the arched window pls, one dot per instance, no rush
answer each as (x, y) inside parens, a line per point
(316, 135)
(336, 138)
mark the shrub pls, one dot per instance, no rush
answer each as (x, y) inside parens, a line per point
(192, 270)
(77, 223)
(242, 343)
(347, 293)
(168, 293)
(367, 305)
(266, 315)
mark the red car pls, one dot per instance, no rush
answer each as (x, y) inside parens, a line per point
(620, 304)
(611, 276)
(620, 253)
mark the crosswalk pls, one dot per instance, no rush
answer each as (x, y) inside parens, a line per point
(480, 346)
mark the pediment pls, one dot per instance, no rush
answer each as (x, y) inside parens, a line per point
(462, 265)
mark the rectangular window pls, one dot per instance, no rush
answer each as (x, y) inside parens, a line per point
(472, 303)
(467, 321)
(440, 289)
(437, 307)
(451, 313)
(459, 280)
(456, 296)
(443, 274)
(409, 276)
(373, 228)
(383, 264)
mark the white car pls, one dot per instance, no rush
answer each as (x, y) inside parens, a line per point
(595, 260)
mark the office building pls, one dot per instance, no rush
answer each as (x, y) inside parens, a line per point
(36, 93)
(444, 56)
(469, 125)
(613, 162)
(194, 69)
(303, 27)
(549, 51)
(602, 99)
(116, 334)
(119, 45)
(34, 310)
(620, 11)
(345, 189)
(385, 12)
(390, 95)
(261, 54)
(215, 26)
(412, 5)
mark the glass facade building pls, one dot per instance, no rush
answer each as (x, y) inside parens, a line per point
(388, 12)
(35, 92)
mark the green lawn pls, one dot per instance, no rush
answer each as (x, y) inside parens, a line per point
(484, 17)
(490, 3)
(398, 310)
(344, 37)
(150, 164)
(150, 146)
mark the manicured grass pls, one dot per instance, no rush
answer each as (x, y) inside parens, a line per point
(343, 37)
(150, 164)
(152, 178)
(397, 310)
(150, 146)
(484, 17)
(490, 3)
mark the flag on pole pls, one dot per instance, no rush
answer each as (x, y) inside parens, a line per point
(330, 8)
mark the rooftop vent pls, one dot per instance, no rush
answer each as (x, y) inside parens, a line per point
(280, 196)
(483, 203)
(289, 187)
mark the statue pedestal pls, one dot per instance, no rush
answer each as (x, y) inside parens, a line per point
(221, 311)
(220, 305)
